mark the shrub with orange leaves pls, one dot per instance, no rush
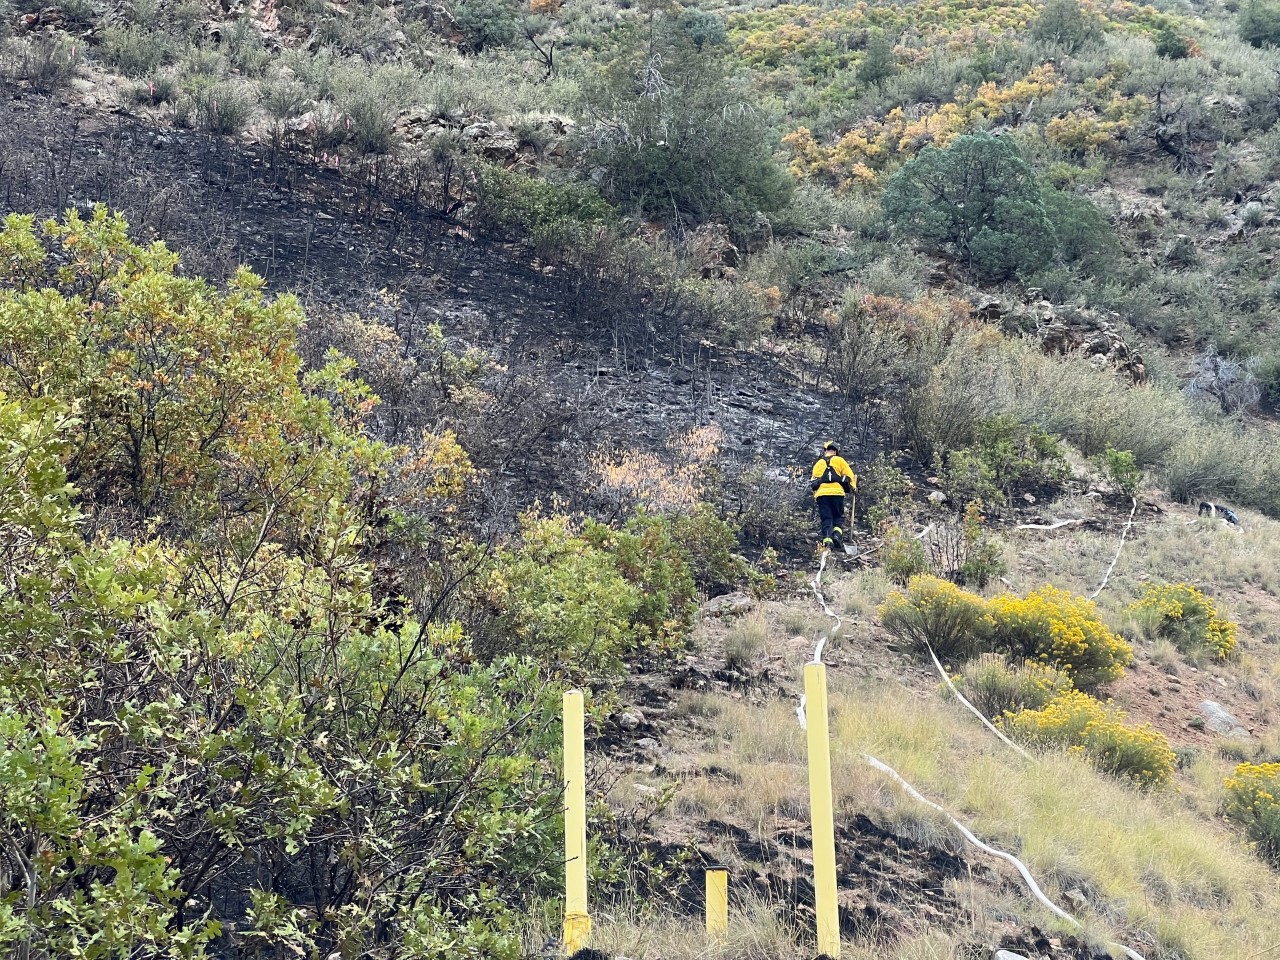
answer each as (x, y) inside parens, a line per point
(672, 481)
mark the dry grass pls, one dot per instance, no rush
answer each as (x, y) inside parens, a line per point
(859, 594)
(1158, 870)
(746, 641)
(755, 933)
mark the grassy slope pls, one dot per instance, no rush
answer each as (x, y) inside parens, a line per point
(1160, 872)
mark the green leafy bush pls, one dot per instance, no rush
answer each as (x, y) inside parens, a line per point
(681, 139)
(554, 216)
(883, 491)
(997, 687)
(903, 555)
(267, 688)
(977, 198)
(1066, 25)
(1080, 724)
(1259, 23)
(936, 613)
(961, 550)
(581, 598)
(486, 23)
(710, 544)
(1005, 458)
(1121, 470)
(1181, 613)
(135, 51)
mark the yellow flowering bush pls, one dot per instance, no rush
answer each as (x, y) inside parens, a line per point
(870, 146)
(1053, 627)
(1253, 800)
(936, 613)
(1183, 614)
(997, 687)
(1048, 625)
(1095, 730)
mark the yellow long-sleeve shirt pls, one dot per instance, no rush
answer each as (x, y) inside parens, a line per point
(842, 468)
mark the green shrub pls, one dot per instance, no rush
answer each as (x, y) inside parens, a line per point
(683, 140)
(702, 27)
(655, 562)
(486, 23)
(877, 64)
(1081, 231)
(46, 64)
(710, 543)
(1259, 23)
(1064, 24)
(903, 555)
(883, 491)
(936, 613)
(581, 599)
(1120, 468)
(223, 108)
(1171, 44)
(1253, 801)
(1004, 459)
(1080, 724)
(977, 198)
(961, 550)
(135, 51)
(1064, 631)
(555, 217)
(997, 687)
(1181, 613)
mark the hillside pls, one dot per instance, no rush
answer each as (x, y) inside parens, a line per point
(373, 372)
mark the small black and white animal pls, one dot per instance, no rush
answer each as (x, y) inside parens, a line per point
(1217, 510)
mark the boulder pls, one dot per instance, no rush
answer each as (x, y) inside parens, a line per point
(1218, 719)
(630, 719)
(729, 605)
(1065, 330)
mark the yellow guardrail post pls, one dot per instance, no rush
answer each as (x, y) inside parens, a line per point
(717, 901)
(820, 811)
(577, 922)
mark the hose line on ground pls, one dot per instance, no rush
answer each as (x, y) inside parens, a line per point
(915, 794)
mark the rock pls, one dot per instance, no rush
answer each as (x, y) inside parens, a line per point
(1030, 498)
(645, 790)
(729, 605)
(1065, 330)
(1219, 720)
(647, 744)
(988, 308)
(630, 720)
(1008, 955)
(1076, 898)
(937, 497)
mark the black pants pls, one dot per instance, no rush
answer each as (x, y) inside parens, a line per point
(831, 510)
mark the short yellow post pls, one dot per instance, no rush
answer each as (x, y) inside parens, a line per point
(717, 901)
(824, 832)
(577, 922)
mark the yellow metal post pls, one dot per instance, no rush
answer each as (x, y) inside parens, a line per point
(577, 922)
(717, 901)
(824, 832)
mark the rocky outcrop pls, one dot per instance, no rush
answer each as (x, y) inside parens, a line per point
(1065, 329)
(488, 138)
